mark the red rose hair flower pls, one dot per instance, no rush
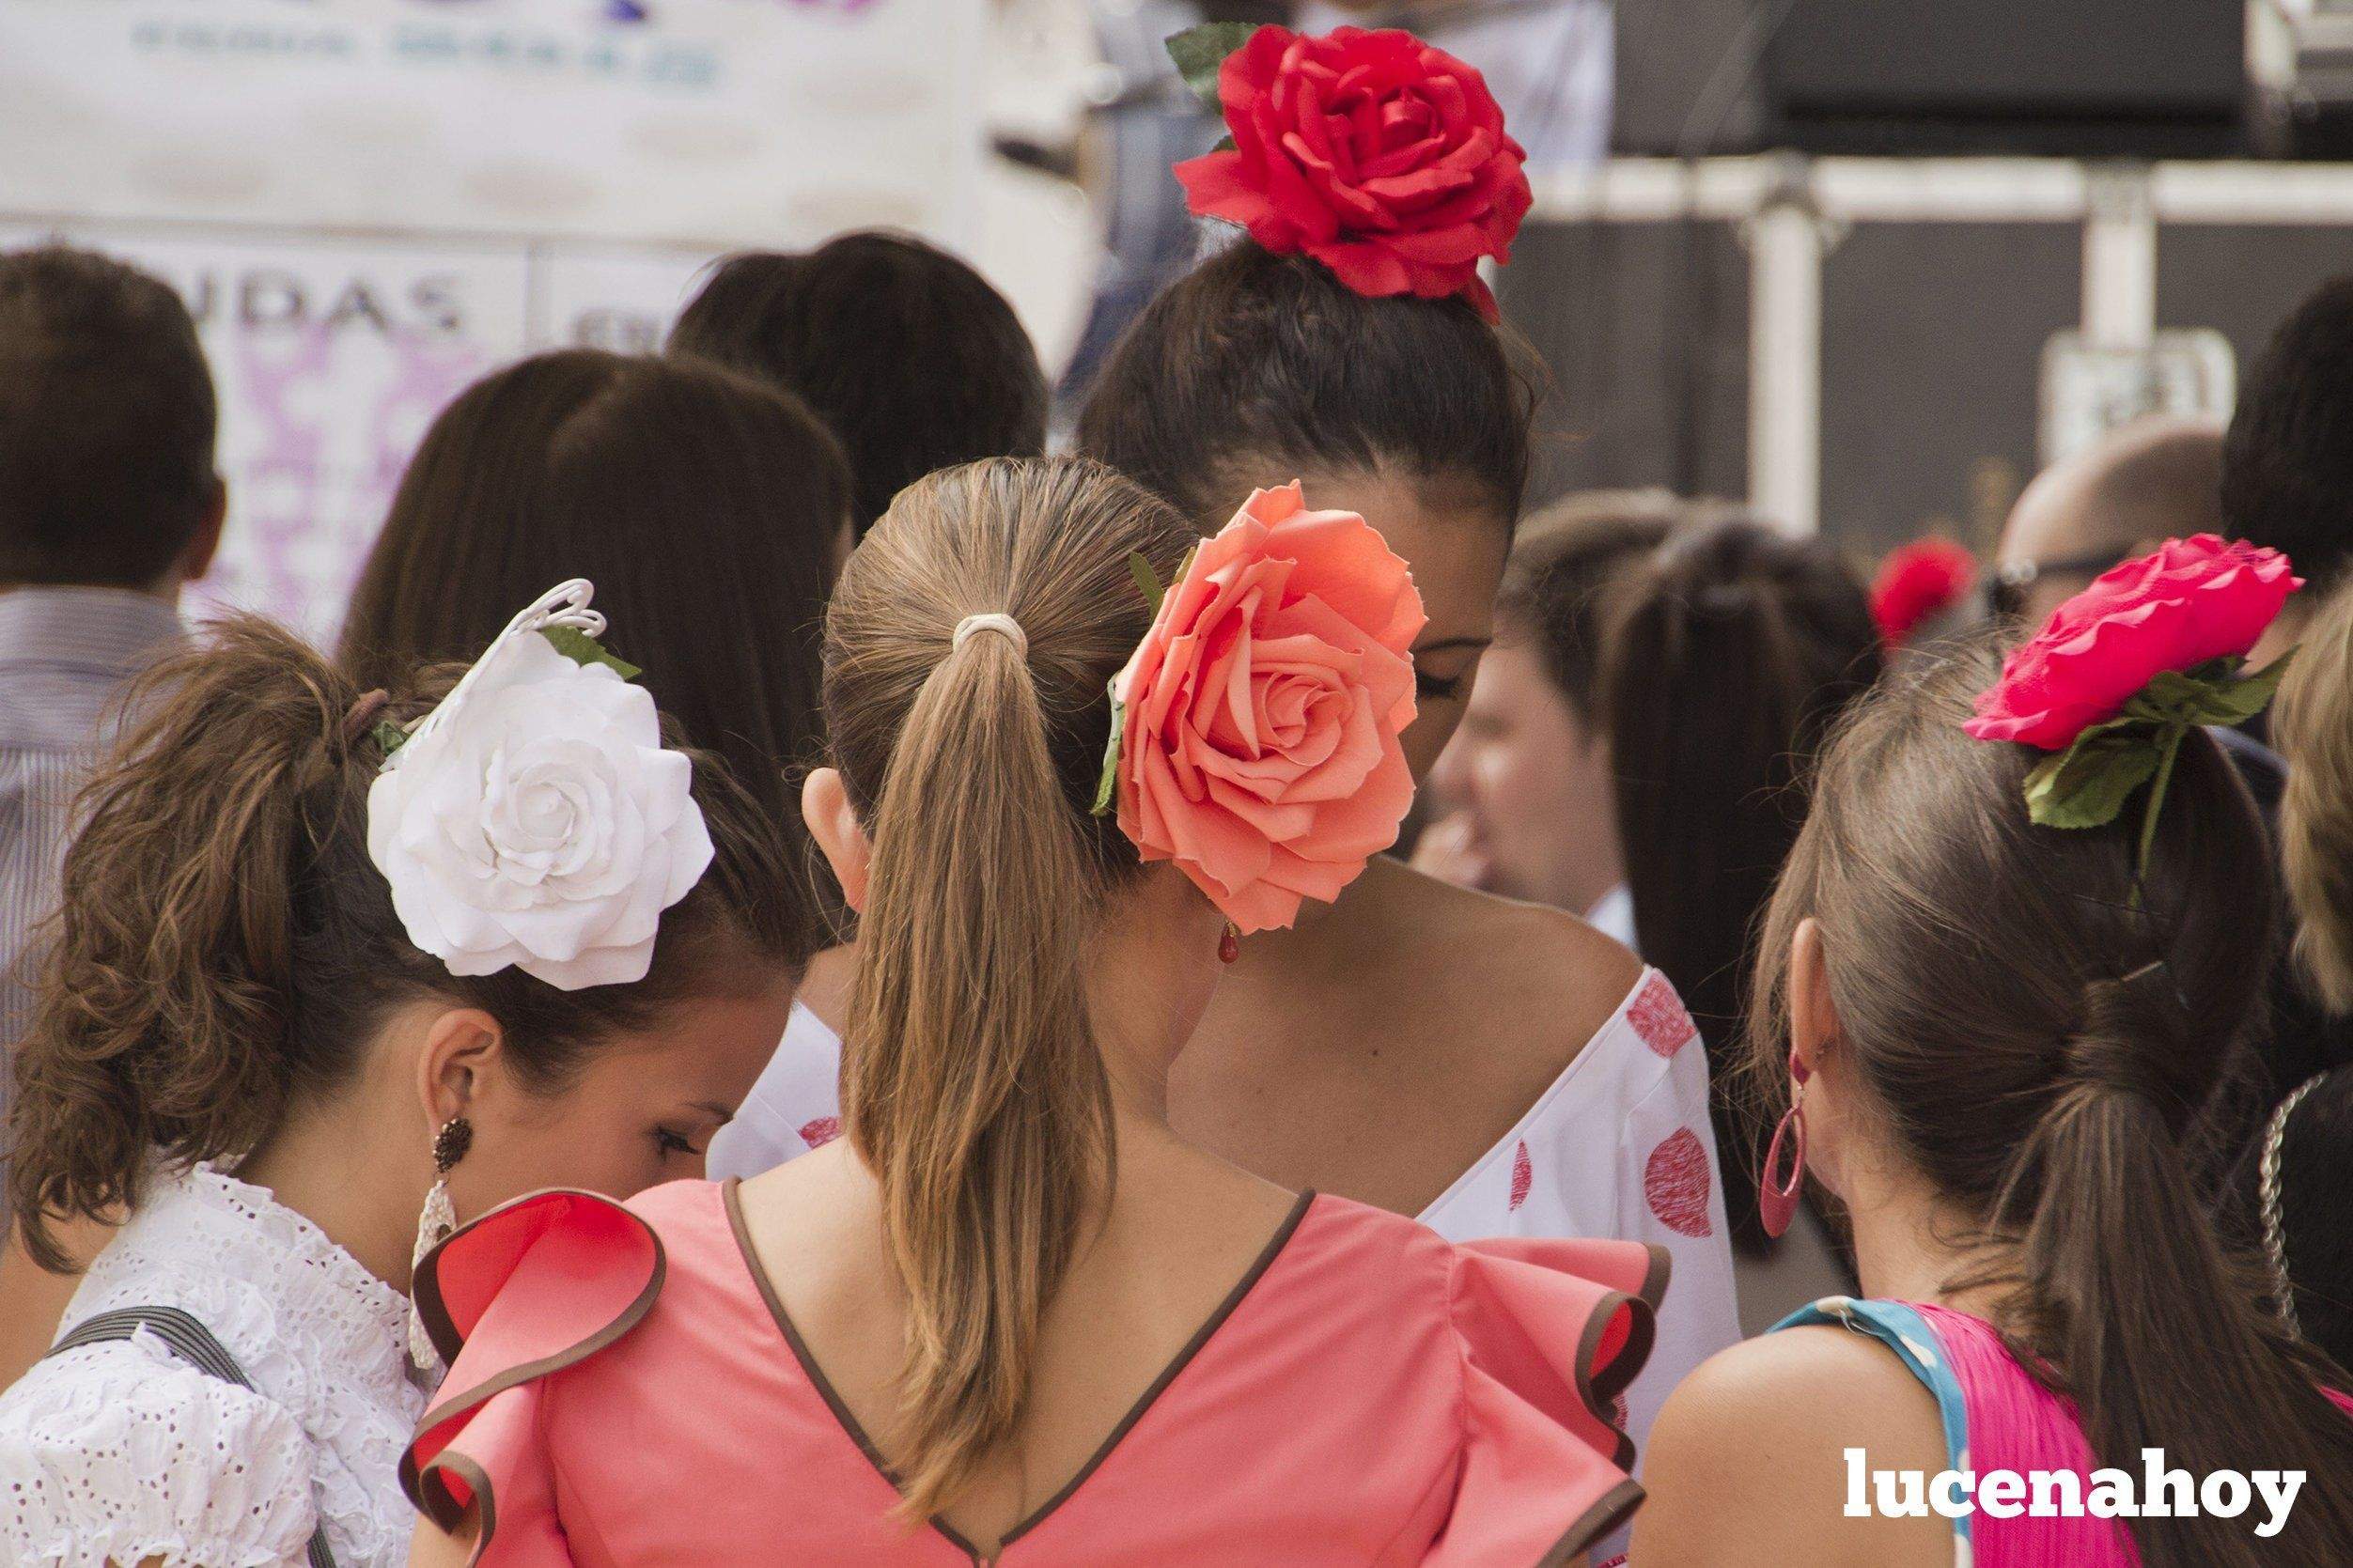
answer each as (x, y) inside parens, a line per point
(1256, 738)
(1384, 158)
(1917, 583)
(2122, 673)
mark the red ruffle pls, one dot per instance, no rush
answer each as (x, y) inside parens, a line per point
(530, 1288)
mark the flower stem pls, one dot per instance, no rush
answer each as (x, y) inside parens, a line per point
(2168, 746)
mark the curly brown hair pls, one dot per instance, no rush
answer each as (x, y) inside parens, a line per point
(225, 949)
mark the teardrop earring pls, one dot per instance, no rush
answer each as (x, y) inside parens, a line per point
(434, 1225)
(1777, 1202)
(1229, 944)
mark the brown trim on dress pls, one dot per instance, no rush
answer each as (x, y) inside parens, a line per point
(815, 1374)
(1170, 1374)
(1613, 1509)
(1597, 1389)
(436, 1504)
(1653, 1285)
(443, 1509)
(857, 1433)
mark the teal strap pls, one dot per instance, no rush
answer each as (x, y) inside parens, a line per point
(1903, 1330)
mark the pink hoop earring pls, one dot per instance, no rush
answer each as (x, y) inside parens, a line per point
(1777, 1202)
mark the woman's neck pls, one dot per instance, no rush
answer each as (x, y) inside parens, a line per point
(335, 1168)
(1136, 1060)
(1911, 1244)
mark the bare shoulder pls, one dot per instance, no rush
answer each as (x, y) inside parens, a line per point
(1806, 1397)
(1772, 1385)
(33, 1302)
(1529, 973)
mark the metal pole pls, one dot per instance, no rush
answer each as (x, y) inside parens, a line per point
(2119, 259)
(1786, 248)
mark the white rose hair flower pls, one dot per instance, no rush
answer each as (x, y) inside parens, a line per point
(534, 818)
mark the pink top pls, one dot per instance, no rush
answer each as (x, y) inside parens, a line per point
(1620, 1146)
(1997, 1416)
(1369, 1393)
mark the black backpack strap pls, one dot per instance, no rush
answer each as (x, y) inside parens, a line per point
(194, 1343)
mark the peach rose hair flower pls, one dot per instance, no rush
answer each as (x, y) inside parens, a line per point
(1255, 731)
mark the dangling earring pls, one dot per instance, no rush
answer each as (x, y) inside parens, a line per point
(1229, 944)
(1777, 1202)
(434, 1226)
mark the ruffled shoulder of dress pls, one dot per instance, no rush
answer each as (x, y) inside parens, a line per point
(530, 1288)
(1566, 1321)
(1551, 1330)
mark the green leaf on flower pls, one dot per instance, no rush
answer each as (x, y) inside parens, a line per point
(390, 737)
(1199, 51)
(581, 649)
(1148, 581)
(2240, 700)
(2213, 693)
(1107, 790)
(2087, 785)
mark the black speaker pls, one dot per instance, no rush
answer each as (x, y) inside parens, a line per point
(2078, 78)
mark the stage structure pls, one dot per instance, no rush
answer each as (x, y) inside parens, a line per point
(2255, 236)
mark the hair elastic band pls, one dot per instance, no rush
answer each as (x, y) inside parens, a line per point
(994, 620)
(362, 714)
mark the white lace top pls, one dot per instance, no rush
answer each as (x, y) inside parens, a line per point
(121, 1451)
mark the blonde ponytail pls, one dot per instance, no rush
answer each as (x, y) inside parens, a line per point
(971, 1081)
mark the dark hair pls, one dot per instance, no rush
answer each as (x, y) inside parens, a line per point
(1555, 587)
(1728, 651)
(905, 352)
(107, 423)
(705, 507)
(2035, 1026)
(2287, 460)
(225, 948)
(971, 1085)
(1254, 365)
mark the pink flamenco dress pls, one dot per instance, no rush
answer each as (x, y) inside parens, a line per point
(625, 1389)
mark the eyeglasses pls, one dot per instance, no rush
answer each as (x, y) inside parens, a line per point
(2005, 590)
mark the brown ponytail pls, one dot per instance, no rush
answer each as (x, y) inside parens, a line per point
(225, 949)
(1728, 650)
(971, 1082)
(2034, 1028)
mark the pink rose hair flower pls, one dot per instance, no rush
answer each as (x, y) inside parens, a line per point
(2122, 673)
(1256, 744)
(2191, 601)
(1384, 158)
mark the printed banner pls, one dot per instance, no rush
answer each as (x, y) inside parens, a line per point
(368, 205)
(709, 122)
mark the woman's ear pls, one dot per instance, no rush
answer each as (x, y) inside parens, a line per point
(825, 807)
(1812, 1017)
(453, 1068)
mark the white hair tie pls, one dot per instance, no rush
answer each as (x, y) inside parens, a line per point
(994, 620)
